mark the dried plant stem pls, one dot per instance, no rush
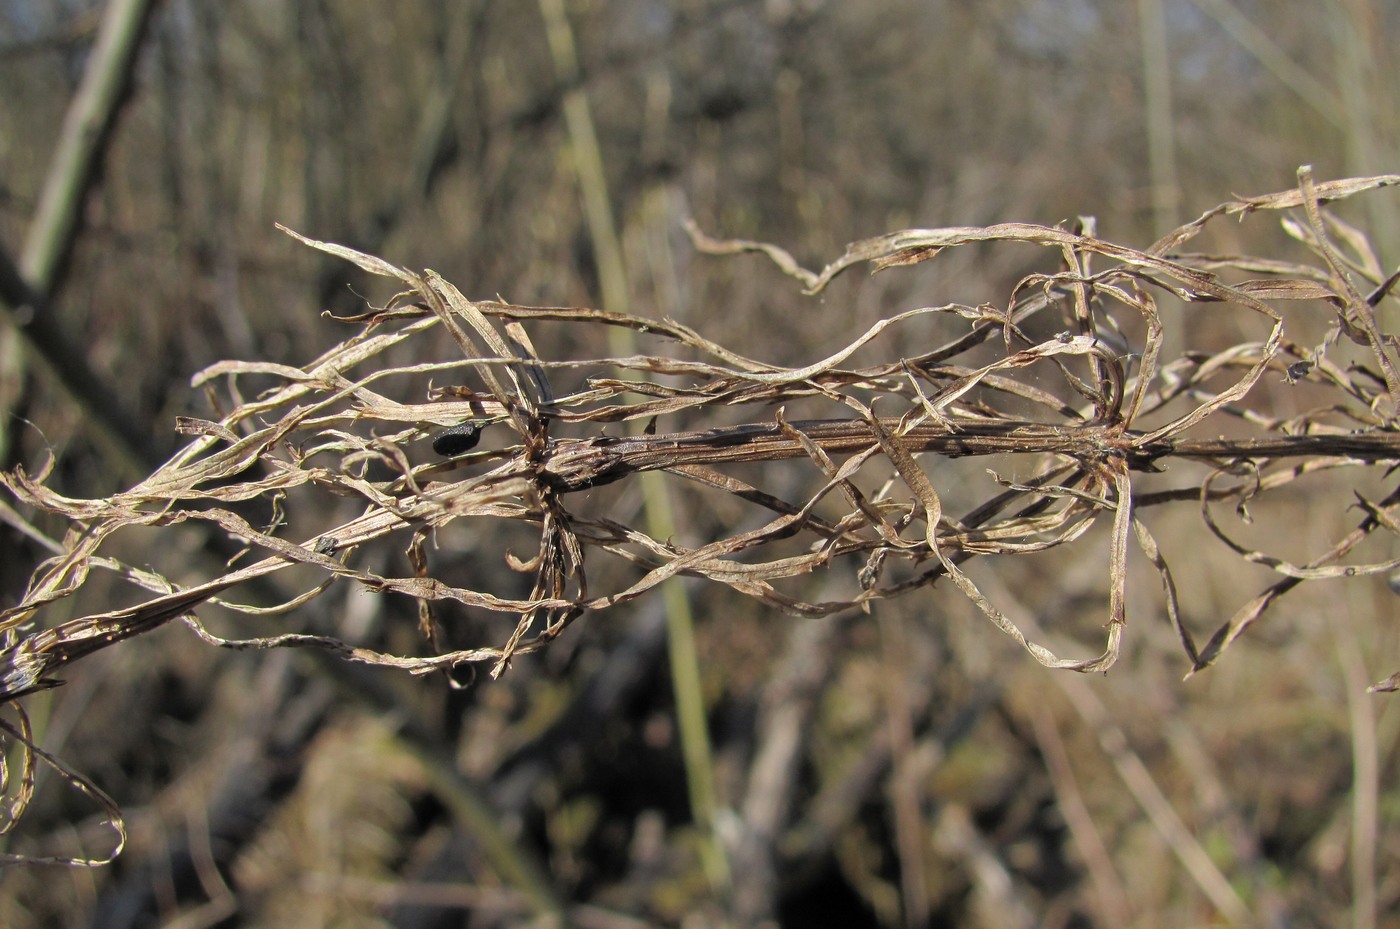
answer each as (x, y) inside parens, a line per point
(1039, 384)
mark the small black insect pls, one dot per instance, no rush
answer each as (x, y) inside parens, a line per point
(457, 439)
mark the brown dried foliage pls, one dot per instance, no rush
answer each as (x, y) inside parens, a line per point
(1057, 383)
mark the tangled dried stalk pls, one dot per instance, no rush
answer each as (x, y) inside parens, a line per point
(1086, 416)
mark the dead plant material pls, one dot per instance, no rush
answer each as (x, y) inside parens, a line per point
(1070, 387)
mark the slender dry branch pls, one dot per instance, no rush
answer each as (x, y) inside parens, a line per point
(1065, 384)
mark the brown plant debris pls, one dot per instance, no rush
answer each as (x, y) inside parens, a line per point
(1048, 382)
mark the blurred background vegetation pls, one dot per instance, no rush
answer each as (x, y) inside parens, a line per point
(902, 769)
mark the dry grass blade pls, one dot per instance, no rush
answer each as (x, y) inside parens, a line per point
(17, 794)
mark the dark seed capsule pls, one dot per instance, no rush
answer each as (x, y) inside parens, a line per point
(457, 439)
